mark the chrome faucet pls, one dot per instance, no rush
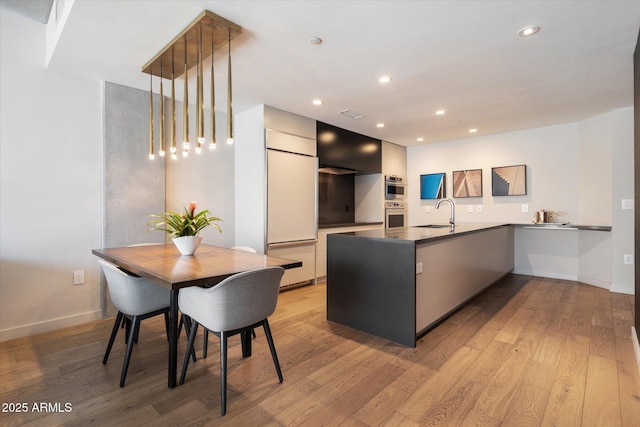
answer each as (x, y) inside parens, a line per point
(452, 219)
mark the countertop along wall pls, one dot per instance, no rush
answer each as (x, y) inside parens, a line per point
(566, 165)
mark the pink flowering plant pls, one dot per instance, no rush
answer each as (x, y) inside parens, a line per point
(187, 223)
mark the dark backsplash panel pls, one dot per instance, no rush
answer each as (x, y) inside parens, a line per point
(336, 199)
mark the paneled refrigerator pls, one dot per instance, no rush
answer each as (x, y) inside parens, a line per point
(292, 197)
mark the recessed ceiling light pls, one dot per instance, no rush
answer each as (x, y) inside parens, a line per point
(474, 130)
(380, 125)
(420, 139)
(440, 112)
(529, 31)
(384, 79)
(317, 102)
(315, 40)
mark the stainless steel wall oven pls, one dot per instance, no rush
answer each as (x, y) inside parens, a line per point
(394, 187)
(395, 215)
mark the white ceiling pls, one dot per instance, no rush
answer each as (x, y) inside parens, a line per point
(461, 56)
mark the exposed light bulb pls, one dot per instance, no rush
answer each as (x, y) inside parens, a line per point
(198, 150)
(212, 146)
(173, 150)
(317, 102)
(174, 156)
(185, 153)
(420, 139)
(473, 130)
(229, 141)
(186, 145)
(152, 156)
(161, 153)
(384, 79)
(201, 140)
(440, 113)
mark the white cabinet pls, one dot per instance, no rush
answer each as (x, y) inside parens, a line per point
(321, 245)
(394, 159)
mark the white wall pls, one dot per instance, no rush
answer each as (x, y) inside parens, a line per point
(207, 178)
(250, 179)
(550, 154)
(50, 182)
(622, 188)
(582, 170)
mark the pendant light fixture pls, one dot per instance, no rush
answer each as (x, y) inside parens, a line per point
(229, 103)
(152, 154)
(189, 45)
(212, 109)
(173, 148)
(200, 96)
(185, 107)
(161, 152)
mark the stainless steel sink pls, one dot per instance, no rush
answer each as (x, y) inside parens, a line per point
(435, 226)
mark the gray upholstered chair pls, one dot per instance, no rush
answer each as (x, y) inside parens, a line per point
(135, 298)
(205, 344)
(234, 306)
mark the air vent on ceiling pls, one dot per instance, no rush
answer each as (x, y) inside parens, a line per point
(351, 114)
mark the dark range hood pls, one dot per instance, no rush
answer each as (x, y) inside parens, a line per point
(344, 152)
(336, 171)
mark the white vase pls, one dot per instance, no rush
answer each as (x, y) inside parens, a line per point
(187, 245)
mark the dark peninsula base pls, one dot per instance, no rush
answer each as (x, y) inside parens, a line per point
(397, 285)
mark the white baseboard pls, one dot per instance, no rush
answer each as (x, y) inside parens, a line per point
(595, 282)
(526, 272)
(623, 288)
(49, 325)
(636, 346)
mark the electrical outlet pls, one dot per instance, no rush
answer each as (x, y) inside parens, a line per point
(627, 204)
(525, 208)
(628, 259)
(479, 208)
(470, 209)
(78, 277)
(419, 268)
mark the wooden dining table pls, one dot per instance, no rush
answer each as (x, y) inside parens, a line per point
(164, 265)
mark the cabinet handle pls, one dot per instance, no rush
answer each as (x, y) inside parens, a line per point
(287, 244)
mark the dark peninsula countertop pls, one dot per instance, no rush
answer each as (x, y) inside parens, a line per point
(428, 233)
(422, 234)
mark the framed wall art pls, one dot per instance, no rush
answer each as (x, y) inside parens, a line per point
(509, 180)
(467, 183)
(433, 186)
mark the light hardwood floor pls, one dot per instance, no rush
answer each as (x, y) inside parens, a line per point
(526, 352)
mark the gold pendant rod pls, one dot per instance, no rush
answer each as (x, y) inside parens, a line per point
(212, 122)
(161, 152)
(151, 149)
(229, 101)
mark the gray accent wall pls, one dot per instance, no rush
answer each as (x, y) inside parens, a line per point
(134, 186)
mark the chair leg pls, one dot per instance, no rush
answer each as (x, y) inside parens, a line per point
(166, 324)
(127, 326)
(192, 338)
(135, 326)
(114, 332)
(205, 344)
(187, 328)
(223, 373)
(272, 347)
(253, 333)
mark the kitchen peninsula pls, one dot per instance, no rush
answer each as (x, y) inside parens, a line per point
(397, 284)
